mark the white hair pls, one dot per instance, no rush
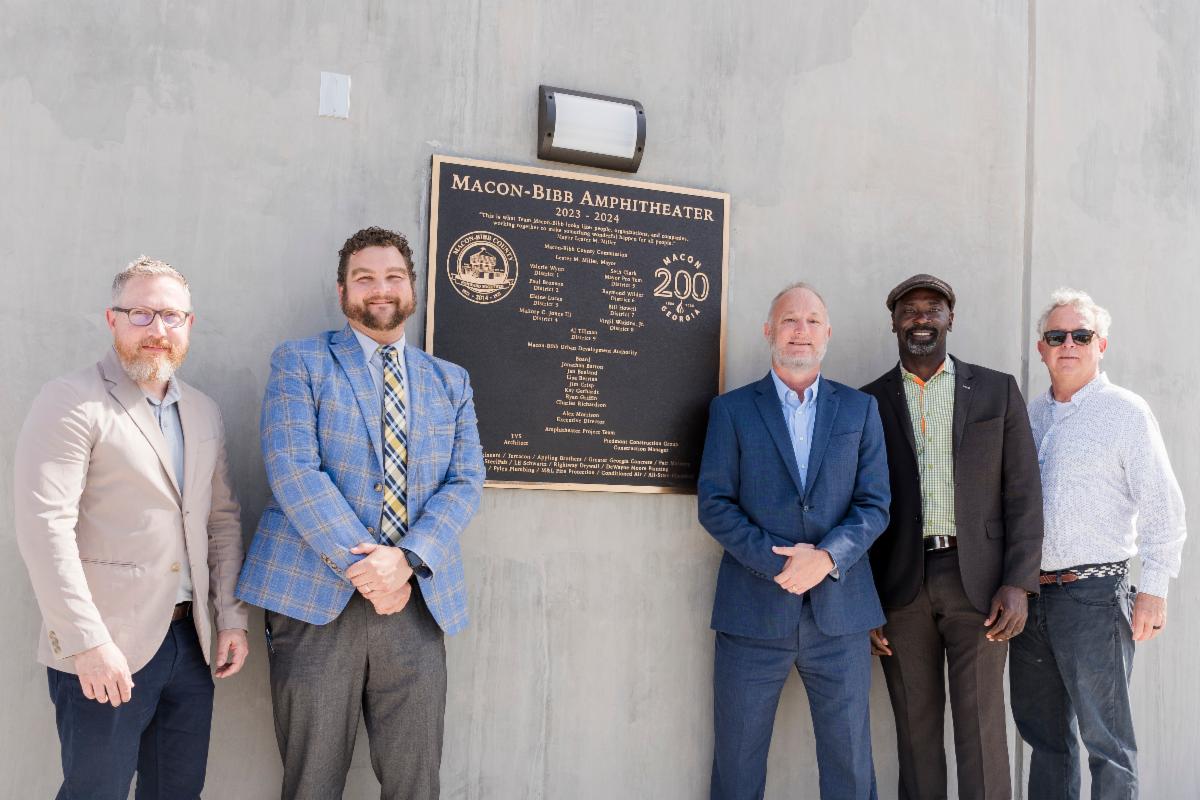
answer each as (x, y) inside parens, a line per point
(1081, 302)
(145, 267)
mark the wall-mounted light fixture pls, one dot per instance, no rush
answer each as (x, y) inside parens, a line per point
(590, 129)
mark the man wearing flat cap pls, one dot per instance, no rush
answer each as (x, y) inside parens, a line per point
(962, 548)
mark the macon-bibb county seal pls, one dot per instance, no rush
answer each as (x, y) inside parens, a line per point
(482, 267)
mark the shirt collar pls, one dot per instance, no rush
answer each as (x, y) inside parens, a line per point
(946, 367)
(172, 395)
(789, 397)
(1086, 391)
(370, 347)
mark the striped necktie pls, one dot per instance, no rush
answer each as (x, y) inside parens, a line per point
(394, 523)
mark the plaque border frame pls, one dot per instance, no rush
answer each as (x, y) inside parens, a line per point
(431, 264)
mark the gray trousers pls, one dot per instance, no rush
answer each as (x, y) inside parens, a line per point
(391, 669)
(939, 628)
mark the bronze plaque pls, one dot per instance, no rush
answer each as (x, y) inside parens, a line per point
(590, 313)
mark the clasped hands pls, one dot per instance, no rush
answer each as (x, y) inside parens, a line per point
(806, 566)
(382, 577)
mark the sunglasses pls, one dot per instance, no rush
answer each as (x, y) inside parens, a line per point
(1056, 338)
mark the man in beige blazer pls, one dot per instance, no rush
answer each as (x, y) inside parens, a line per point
(128, 525)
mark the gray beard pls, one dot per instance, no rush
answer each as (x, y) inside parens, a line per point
(921, 349)
(158, 368)
(798, 362)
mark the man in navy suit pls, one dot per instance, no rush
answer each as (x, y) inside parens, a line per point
(794, 485)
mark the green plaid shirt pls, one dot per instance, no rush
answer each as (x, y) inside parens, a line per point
(931, 409)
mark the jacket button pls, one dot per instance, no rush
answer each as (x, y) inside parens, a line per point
(370, 530)
(379, 487)
(175, 567)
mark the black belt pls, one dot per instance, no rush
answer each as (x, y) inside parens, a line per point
(182, 611)
(940, 544)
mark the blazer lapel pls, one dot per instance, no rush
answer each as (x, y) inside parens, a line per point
(349, 355)
(133, 400)
(193, 432)
(772, 413)
(827, 406)
(962, 400)
(419, 383)
(899, 407)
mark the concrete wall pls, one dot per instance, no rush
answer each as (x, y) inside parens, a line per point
(861, 142)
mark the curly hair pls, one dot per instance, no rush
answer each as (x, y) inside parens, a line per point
(374, 237)
(1081, 302)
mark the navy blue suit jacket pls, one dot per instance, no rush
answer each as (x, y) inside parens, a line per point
(751, 498)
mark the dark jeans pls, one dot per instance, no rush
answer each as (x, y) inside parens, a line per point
(748, 679)
(161, 733)
(1069, 676)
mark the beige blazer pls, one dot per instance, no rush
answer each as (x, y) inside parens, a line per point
(104, 528)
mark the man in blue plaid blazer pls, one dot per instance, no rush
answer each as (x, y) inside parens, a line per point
(360, 456)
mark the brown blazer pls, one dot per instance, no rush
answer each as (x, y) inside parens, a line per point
(997, 490)
(102, 524)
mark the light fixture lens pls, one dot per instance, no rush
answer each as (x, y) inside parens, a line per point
(594, 126)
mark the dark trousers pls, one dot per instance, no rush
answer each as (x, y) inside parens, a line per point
(390, 669)
(1070, 679)
(939, 629)
(161, 733)
(747, 682)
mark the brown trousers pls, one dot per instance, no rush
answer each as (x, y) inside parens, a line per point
(941, 627)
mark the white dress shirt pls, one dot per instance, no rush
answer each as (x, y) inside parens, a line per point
(1107, 485)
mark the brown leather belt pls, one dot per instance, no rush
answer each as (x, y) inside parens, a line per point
(1072, 574)
(1057, 577)
(939, 544)
(182, 611)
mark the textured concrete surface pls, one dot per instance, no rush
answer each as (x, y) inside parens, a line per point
(860, 141)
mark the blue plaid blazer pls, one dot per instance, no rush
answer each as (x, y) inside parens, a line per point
(320, 423)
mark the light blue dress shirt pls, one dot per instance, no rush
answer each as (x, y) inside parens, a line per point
(370, 349)
(800, 415)
(166, 413)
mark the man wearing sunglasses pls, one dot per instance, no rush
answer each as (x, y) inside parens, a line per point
(960, 552)
(129, 527)
(1109, 495)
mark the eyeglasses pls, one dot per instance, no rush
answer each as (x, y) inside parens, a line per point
(1056, 338)
(142, 317)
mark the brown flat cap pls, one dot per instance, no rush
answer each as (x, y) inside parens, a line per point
(921, 281)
